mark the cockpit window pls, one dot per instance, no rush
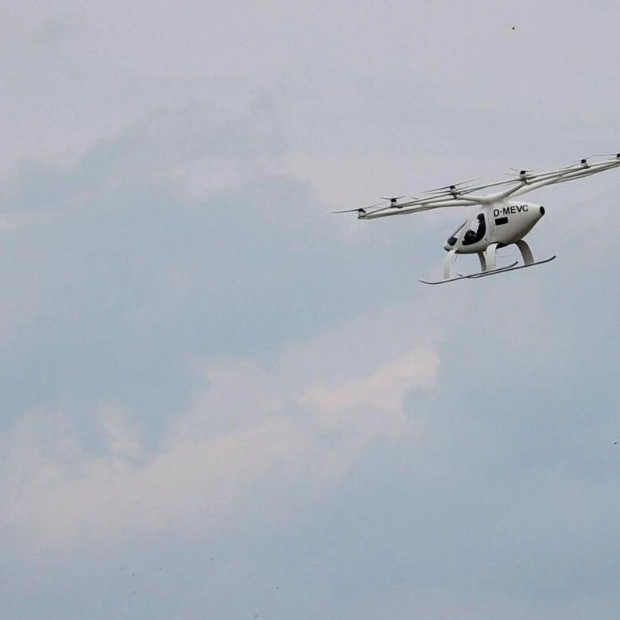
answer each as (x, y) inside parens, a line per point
(453, 238)
(477, 230)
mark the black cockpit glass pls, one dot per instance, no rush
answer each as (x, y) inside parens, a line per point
(476, 231)
(453, 238)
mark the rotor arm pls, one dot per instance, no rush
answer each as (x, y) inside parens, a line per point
(416, 207)
(562, 176)
(465, 195)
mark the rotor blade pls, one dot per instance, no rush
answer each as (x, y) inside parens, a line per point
(449, 187)
(529, 175)
(358, 210)
(392, 202)
(477, 188)
(392, 199)
(615, 155)
(571, 173)
(520, 171)
(354, 209)
(584, 161)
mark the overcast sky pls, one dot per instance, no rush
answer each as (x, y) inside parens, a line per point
(218, 400)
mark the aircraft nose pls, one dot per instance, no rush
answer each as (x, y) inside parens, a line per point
(449, 244)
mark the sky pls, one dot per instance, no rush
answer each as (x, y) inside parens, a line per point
(219, 400)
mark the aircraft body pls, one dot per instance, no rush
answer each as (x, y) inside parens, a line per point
(500, 219)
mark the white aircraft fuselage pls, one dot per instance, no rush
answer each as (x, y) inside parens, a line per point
(504, 223)
(500, 219)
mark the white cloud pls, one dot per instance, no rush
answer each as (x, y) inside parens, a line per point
(372, 404)
(121, 439)
(303, 419)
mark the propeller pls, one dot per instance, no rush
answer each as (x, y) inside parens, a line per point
(524, 174)
(357, 210)
(614, 155)
(393, 200)
(583, 162)
(361, 209)
(477, 188)
(528, 175)
(450, 188)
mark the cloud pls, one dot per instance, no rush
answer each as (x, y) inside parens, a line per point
(118, 253)
(301, 420)
(178, 238)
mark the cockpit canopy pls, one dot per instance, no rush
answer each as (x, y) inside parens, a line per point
(471, 232)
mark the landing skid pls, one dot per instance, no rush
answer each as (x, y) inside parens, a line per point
(492, 272)
(512, 268)
(473, 275)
